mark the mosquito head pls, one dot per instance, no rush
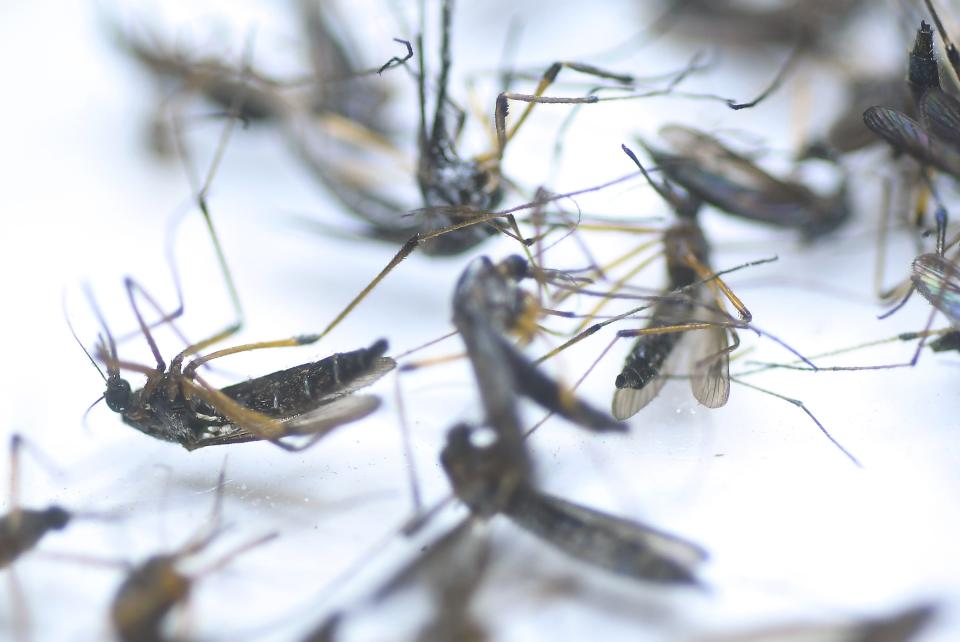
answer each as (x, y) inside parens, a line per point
(117, 394)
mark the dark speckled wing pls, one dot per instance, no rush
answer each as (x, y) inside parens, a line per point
(940, 113)
(899, 627)
(619, 545)
(294, 391)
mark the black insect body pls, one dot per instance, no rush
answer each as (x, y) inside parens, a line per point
(690, 312)
(307, 400)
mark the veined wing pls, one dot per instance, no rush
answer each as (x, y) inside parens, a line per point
(899, 627)
(619, 545)
(907, 135)
(710, 366)
(938, 280)
(940, 113)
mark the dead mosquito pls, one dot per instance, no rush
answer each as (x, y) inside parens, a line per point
(693, 306)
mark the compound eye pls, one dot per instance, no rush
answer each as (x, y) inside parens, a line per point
(117, 395)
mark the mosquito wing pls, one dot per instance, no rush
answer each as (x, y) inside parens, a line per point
(710, 366)
(734, 184)
(940, 113)
(907, 135)
(938, 280)
(619, 545)
(322, 420)
(713, 157)
(900, 627)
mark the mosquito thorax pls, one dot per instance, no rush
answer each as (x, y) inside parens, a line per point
(117, 394)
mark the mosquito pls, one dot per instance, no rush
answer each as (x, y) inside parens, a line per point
(21, 529)
(155, 587)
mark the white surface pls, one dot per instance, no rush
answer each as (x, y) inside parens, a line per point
(793, 529)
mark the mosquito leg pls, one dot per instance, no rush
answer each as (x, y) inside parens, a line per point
(799, 404)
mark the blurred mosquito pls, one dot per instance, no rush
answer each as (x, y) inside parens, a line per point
(155, 587)
(813, 22)
(335, 90)
(490, 469)
(489, 307)
(900, 626)
(478, 463)
(21, 529)
(451, 569)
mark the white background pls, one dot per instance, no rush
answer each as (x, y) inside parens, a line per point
(794, 530)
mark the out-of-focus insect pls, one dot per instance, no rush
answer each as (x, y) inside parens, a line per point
(334, 89)
(490, 470)
(488, 305)
(714, 174)
(153, 588)
(847, 133)
(477, 463)
(21, 529)
(450, 570)
(901, 626)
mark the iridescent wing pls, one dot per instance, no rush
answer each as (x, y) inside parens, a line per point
(619, 545)
(908, 136)
(938, 280)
